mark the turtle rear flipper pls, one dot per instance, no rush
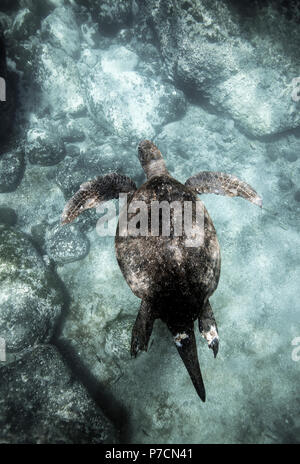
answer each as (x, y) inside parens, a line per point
(142, 328)
(91, 193)
(185, 342)
(223, 184)
(208, 328)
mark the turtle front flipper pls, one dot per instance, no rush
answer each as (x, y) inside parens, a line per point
(208, 328)
(185, 342)
(91, 193)
(223, 184)
(142, 328)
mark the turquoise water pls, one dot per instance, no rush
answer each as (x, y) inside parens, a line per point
(215, 87)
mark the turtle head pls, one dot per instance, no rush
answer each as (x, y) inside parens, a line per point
(151, 159)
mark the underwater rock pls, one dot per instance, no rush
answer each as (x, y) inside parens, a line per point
(72, 150)
(89, 164)
(44, 147)
(54, 407)
(40, 7)
(285, 184)
(8, 216)
(95, 161)
(23, 55)
(65, 244)
(58, 77)
(192, 36)
(72, 131)
(202, 141)
(119, 99)
(259, 109)
(132, 104)
(11, 169)
(5, 21)
(30, 295)
(24, 25)
(75, 170)
(118, 59)
(111, 16)
(213, 51)
(38, 233)
(285, 149)
(60, 30)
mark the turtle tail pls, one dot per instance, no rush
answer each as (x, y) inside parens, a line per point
(186, 345)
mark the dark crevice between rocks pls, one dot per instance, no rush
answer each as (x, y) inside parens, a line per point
(101, 394)
(57, 283)
(9, 5)
(107, 402)
(193, 95)
(107, 27)
(156, 40)
(248, 10)
(110, 30)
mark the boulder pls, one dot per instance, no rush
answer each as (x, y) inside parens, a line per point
(42, 402)
(11, 169)
(65, 244)
(30, 296)
(217, 50)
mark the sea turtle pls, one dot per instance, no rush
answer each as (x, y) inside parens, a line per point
(173, 277)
